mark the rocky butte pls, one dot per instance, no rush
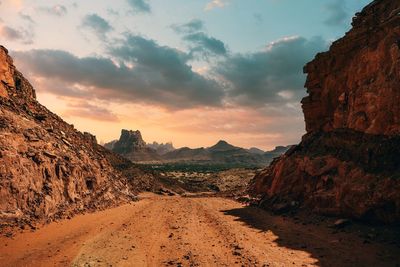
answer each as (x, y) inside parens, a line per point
(348, 163)
(132, 146)
(48, 169)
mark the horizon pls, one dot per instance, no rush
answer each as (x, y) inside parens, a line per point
(207, 146)
(221, 70)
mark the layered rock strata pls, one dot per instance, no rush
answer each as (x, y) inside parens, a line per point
(348, 163)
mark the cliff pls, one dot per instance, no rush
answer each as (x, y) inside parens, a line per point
(48, 169)
(348, 163)
(132, 146)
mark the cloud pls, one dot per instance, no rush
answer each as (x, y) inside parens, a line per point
(215, 4)
(139, 6)
(21, 35)
(27, 18)
(192, 26)
(146, 73)
(205, 44)
(270, 76)
(200, 43)
(258, 18)
(138, 70)
(83, 109)
(97, 24)
(337, 14)
(57, 10)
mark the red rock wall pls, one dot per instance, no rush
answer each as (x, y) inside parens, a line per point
(348, 163)
(356, 85)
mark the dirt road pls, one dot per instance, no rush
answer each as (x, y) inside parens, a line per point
(178, 231)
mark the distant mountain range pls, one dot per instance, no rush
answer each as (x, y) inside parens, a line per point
(132, 146)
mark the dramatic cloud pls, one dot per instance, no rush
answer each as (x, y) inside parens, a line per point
(141, 71)
(205, 44)
(200, 43)
(146, 73)
(140, 6)
(192, 26)
(57, 10)
(83, 109)
(337, 15)
(97, 24)
(215, 4)
(21, 35)
(270, 76)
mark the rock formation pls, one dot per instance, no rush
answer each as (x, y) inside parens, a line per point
(348, 163)
(132, 146)
(161, 148)
(48, 169)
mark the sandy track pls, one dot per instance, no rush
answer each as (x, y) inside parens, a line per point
(175, 231)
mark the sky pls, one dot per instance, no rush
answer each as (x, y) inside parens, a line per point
(191, 72)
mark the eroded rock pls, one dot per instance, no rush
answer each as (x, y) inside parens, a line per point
(348, 163)
(48, 169)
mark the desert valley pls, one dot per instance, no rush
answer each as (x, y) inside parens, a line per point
(333, 199)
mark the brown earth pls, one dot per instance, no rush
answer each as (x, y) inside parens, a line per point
(197, 231)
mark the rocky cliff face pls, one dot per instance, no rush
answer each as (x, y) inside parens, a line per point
(348, 163)
(132, 146)
(48, 169)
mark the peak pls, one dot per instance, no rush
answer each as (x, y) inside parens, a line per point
(12, 83)
(131, 136)
(255, 150)
(129, 141)
(222, 145)
(4, 49)
(131, 132)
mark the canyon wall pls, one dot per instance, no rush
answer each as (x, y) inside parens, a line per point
(48, 169)
(348, 162)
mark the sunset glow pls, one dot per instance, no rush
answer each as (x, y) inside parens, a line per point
(186, 72)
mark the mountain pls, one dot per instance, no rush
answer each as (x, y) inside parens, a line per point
(255, 150)
(279, 150)
(132, 146)
(348, 162)
(187, 154)
(221, 153)
(223, 146)
(160, 148)
(48, 169)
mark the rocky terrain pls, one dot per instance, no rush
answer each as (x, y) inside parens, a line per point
(48, 169)
(348, 163)
(231, 182)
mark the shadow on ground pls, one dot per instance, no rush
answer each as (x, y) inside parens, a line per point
(331, 247)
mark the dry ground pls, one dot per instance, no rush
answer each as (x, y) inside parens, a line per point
(190, 231)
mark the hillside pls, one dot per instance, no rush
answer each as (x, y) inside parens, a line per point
(48, 169)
